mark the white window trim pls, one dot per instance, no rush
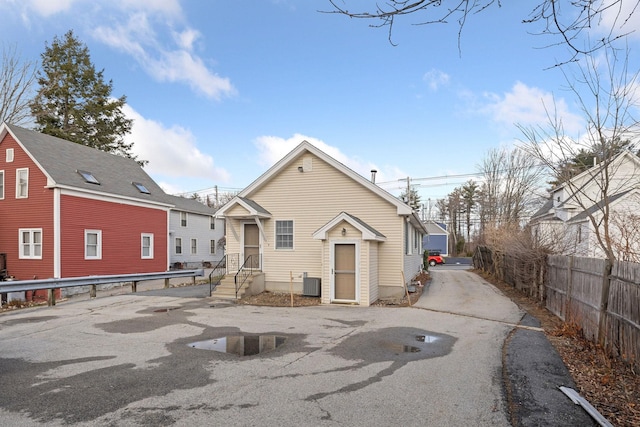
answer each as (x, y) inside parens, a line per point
(293, 233)
(142, 237)
(2, 174)
(175, 245)
(98, 254)
(212, 247)
(9, 155)
(212, 225)
(191, 248)
(21, 243)
(186, 222)
(26, 195)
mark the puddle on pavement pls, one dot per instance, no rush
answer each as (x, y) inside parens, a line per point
(404, 348)
(426, 338)
(241, 345)
(400, 348)
(166, 309)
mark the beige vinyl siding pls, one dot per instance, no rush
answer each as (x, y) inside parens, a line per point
(311, 199)
(373, 271)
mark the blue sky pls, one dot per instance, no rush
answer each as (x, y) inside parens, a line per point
(220, 90)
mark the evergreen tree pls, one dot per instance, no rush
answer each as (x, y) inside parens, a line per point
(74, 102)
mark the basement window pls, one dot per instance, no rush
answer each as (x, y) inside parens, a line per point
(88, 177)
(141, 188)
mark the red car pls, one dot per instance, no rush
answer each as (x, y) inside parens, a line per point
(434, 258)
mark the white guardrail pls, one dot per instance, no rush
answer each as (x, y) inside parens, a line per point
(93, 281)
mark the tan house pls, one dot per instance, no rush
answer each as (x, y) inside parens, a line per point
(310, 217)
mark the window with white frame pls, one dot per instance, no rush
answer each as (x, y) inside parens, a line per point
(213, 223)
(284, 234)
(146, 241)
(183, 219)
(212, 247)
(22, 183)
(1, 185)
(9, 155)
(194, 246)
(178, 245)
(30, 241)
(92, 244)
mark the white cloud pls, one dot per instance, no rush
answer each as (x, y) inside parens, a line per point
(530, 106)
(436, 78)
(50, 7)
(622, 18)
(171, 152)
(273, 148)
(177, 62)
(152, 32)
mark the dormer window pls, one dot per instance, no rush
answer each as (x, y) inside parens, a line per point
(141, 188)
(88, 177)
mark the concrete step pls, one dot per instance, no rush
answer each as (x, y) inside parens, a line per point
(227, 288)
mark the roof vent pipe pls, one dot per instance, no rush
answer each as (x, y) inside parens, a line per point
(373, 175)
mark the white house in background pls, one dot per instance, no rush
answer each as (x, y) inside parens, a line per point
(563, 222)
(196, 236)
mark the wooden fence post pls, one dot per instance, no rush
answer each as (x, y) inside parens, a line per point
(604, 303)
(567, 303)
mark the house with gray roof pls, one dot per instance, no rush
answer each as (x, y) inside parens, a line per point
(68, 210)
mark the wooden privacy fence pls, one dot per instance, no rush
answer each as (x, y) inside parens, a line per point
(525, 273)
(601, 299)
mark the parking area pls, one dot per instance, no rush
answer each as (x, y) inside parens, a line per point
(152, 360)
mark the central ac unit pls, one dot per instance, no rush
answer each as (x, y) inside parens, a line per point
(311, 286)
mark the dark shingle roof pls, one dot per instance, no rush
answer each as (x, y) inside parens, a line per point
(191, 205)
(61, 160)
(598, 206)
(544, 210)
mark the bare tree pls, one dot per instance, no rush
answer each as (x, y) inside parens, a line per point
(469, 196)
(606, 92)
(567, 20)
(626, 227)
(511, 179)
(17, 78)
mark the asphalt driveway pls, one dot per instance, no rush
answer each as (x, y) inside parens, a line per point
(130, 360)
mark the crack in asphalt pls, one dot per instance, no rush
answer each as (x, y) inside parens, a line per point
(515, 325)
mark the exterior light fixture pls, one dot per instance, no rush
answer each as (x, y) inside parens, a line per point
(344, 231)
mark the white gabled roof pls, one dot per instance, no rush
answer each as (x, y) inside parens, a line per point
(403, 209)
(368, 232)
(253, 208)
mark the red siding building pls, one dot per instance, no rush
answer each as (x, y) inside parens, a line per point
(68, 210)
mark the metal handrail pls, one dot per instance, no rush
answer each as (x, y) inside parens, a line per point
(244, 273)
(222, 264)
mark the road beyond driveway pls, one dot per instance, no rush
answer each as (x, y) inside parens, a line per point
(126, 360)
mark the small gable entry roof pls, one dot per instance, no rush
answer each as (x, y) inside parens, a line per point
(368, 232)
